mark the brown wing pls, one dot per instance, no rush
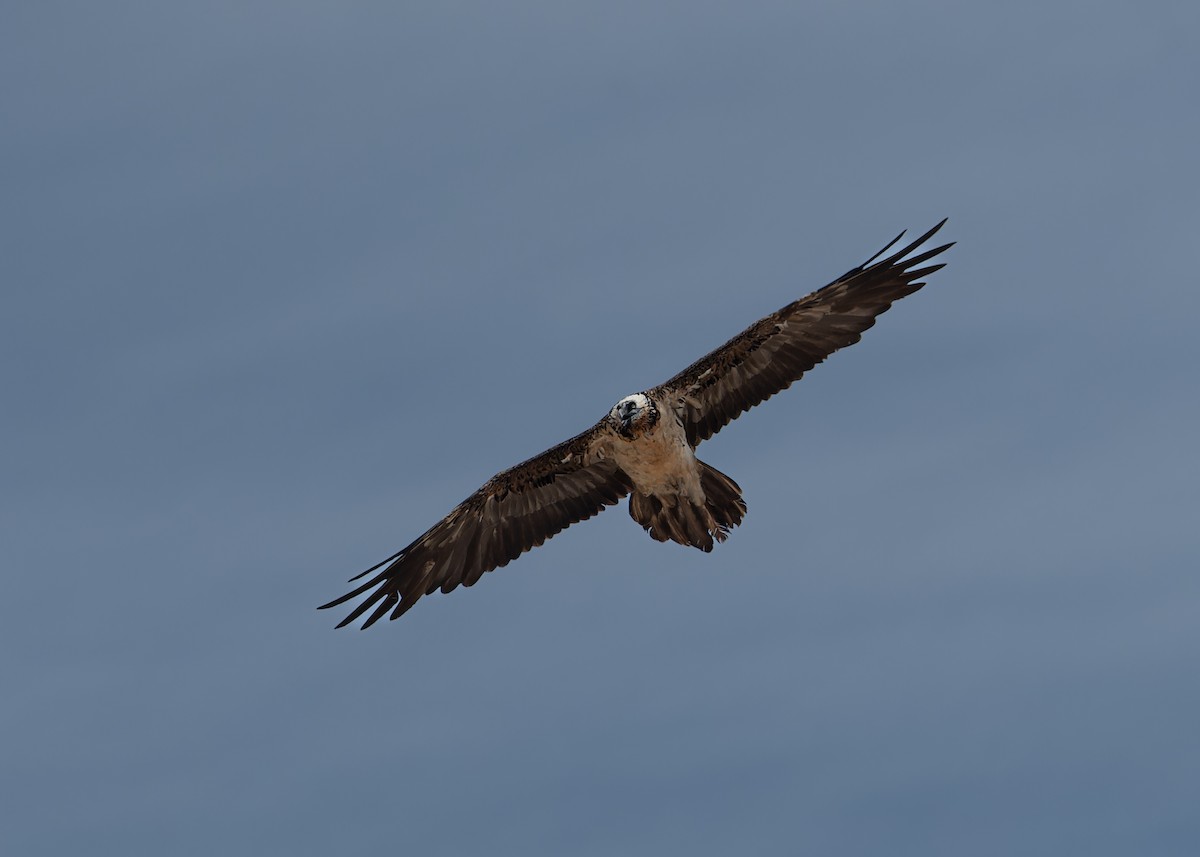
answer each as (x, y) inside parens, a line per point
(775, 351)
(514, 511)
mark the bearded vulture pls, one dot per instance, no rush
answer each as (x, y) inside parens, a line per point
(645, 447)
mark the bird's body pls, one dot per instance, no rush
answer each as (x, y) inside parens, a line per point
(644, 447)
(654, 451)
(672, 493)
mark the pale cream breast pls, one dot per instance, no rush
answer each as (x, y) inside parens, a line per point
(660, 461)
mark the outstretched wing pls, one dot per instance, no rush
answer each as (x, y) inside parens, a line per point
(775, 351)
(514, 511)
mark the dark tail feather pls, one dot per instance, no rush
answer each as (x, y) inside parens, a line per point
(648, 511)
(724, 498)
(696, 524)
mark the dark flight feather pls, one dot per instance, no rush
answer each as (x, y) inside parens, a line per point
(512, 512)
(774, 352)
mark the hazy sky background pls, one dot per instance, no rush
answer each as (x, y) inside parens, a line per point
(283, 282)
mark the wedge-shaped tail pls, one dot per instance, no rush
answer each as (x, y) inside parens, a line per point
(681, 520)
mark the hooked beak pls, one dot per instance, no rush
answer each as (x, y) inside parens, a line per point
(626, 415)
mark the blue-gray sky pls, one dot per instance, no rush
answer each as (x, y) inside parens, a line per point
(285, 282)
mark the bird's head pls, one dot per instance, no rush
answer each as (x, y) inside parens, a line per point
(633, 415)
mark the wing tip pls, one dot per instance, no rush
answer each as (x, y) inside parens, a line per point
(876, 260)
(886, 247)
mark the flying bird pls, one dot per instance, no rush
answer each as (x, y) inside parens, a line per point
(645, 447)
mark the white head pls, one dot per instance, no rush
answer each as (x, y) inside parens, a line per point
(632, 413)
